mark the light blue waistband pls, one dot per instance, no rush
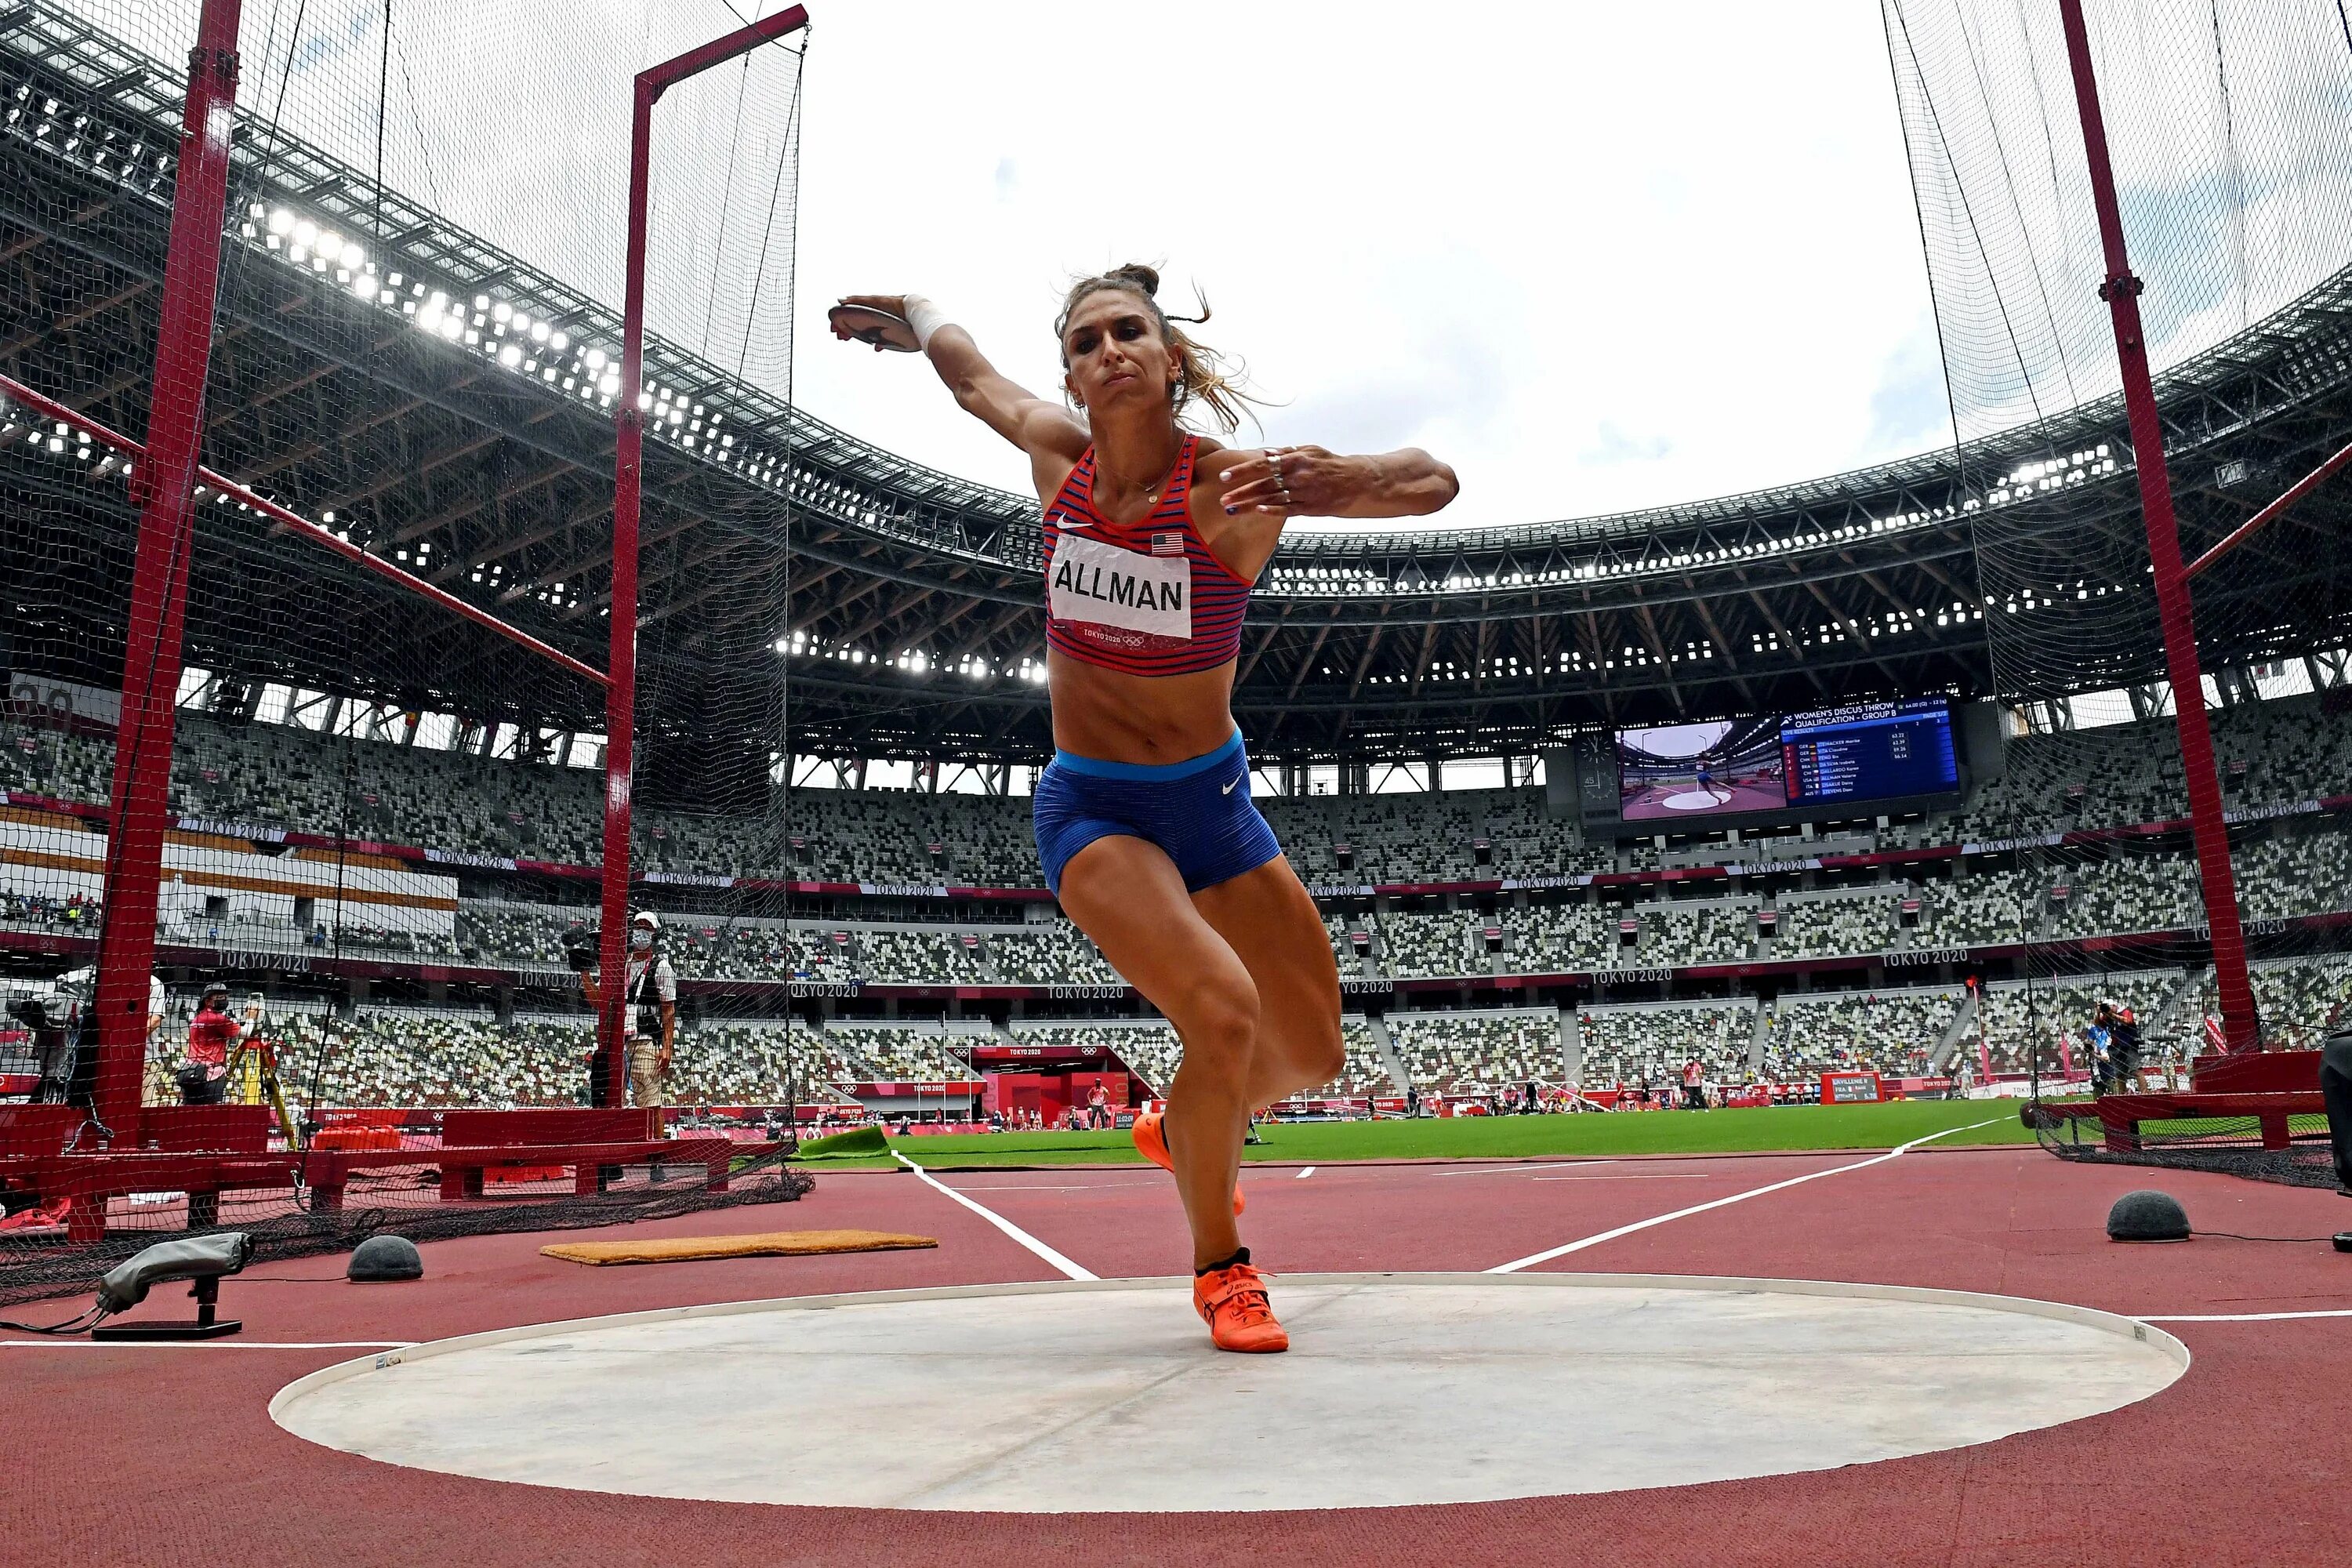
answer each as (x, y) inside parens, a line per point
(1159, 772)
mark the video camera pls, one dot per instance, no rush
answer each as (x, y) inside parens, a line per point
(46, 1016)
(580, 945)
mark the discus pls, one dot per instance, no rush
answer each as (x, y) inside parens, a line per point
(879, 328)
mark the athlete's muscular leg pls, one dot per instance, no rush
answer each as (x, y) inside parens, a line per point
(1267, 917)
(1128, 897)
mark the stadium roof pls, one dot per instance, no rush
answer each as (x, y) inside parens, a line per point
(901, 604)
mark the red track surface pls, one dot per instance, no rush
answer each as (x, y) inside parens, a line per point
(132, 1455)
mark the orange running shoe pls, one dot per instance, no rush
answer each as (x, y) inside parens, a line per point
(1232, 1301)
(1152, 1142)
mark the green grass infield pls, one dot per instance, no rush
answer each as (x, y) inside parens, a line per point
(1779, 1128)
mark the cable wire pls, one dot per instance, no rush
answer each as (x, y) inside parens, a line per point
(79, 1323)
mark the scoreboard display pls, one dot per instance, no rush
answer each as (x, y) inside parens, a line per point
(1751, 769)
(1850, 1089)
(1869, 750)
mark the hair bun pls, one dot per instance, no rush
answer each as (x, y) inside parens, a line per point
(1144, 277)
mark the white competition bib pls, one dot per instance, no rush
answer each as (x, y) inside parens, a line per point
(1091, 581)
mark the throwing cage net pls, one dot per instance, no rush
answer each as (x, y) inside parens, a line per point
(2192, 870)
(344, 721)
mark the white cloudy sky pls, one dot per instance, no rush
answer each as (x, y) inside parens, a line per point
(1597, 256)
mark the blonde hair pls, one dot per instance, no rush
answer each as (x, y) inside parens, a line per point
(1201, 373)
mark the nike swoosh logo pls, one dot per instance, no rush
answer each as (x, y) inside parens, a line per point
(1229, 788)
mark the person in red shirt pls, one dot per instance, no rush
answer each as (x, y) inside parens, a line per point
(1693, 1086)
(1098, 1107)
(212, 1035)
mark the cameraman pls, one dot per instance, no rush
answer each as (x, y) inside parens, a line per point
(65, 1034)
(2123, 1044)
(212, 1035)
(82, 1024)
(43, 1022)
(650, 992)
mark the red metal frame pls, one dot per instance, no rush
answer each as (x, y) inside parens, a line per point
(2268, 1072)
(1984, 1040)
(2121, 292)
(294, 522)
(165, 485)
(164, 477)
(2269, 515)
(2120, 1115)
(89, 1180)
(621, 689)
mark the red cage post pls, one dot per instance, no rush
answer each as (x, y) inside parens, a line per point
(166, 486)
(621, 687)
(2121, 292)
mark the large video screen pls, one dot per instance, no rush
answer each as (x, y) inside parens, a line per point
(1676, 770)
(1870, 750)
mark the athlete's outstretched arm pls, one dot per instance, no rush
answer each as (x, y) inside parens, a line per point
(1318, 483)
(1239, 503)
(1039, 426)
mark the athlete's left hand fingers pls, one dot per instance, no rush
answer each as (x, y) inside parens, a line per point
(1285, 479)
(1248, 483)
(1274, 507)
(1256, 495)
(1245, 470)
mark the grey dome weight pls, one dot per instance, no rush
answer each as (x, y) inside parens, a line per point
(380, 1258)
(2147, 1215)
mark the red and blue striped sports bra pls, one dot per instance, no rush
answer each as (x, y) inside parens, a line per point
(1143, 599)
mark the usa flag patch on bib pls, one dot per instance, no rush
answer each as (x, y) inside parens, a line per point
(1093, 582)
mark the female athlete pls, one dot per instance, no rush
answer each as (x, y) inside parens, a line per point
(1145, 826)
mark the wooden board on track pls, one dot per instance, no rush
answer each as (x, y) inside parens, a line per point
(766, 1243)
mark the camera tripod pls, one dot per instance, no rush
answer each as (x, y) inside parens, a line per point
(253, 1069)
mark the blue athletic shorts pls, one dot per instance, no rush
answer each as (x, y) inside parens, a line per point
(1198, 810)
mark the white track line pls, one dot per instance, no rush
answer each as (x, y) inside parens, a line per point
(2246, 1317)
(1067, 1268)
(1629, 1177)
(1516, 1169)
(1563, 1250)
(1055, 1186)
(1307, 1173)
(225, 1344)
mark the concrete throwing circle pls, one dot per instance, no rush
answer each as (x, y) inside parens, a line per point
(1411, 1388)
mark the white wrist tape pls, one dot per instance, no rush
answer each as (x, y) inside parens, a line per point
(925, 318)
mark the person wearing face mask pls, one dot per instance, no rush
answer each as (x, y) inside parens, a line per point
(649, 1022)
